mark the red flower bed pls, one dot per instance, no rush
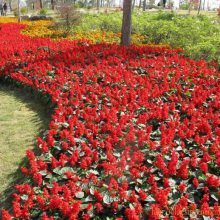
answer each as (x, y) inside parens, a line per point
(135, 133)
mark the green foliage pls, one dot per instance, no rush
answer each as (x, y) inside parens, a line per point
(105, 22)
(43, 11)
(24, 10)
(79, 4)
(199, 36)
(184, 6)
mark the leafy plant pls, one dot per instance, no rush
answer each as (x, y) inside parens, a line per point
(43, 11)
(24, 10)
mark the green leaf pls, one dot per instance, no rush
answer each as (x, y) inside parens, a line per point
(83, 206)
(61, 171)
(94, 172)
(117, 154)
(92, 191)
(24, 197)
(137, 188)
(131, 206)
(188, 94)
(79, 195)
(179, 148)
(150, 199)
(43, 172)
(149, 161)
(107, 199)
(140, 181)
(37, 190)
(89, 199)
(214, 197)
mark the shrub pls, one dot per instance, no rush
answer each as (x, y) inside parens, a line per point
(184, 6)
(68, 17)
(24, 10)
(43, 11)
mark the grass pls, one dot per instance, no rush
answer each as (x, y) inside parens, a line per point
(22, 118)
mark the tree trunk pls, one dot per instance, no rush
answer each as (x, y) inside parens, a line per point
(144, 5)
(19, 12)
(10, 5)
(199, 8)
(98, 5)
(190, 7)
(133, 5)
(151, 3)
(52, 4)
(140, 3)
(164, 3)
(126, 23)
(108, 4)
(41, 3)
(85, 3)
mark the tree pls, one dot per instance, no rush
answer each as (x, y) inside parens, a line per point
(199, 8)
(140, 3)
(133, 4)
(126, 23)
(98, 4)
(144, 5)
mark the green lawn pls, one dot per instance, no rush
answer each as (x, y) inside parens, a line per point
(22, 118)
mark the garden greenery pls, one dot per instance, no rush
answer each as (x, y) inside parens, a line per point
(199, 36)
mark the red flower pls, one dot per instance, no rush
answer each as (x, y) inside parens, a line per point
(195, 182)
(205, 209)
(6, 215)
(131, 214)
(142, 195)
(155, 212)
(204, 167)
(183, 170)
(98, 207)
(182, 187)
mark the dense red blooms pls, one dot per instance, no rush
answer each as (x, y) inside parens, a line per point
(134, 133)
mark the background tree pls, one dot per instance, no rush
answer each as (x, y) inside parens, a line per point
(140, 3)
(98, 5)
(126, 23)
(144, 5)
(200, 5)
(133, 4)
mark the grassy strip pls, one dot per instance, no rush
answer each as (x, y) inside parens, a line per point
(23, 117)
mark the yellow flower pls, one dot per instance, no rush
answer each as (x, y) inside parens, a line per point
(43, 28)
(8, 20)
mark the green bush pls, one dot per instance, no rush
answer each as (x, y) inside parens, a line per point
(184, 6)
(24, 10)
(110, 22)
(43, 11)
(199, 36)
